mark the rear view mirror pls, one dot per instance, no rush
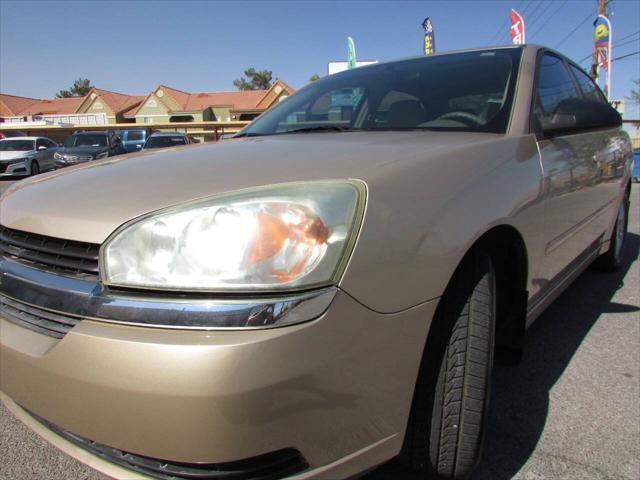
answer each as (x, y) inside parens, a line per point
(41, 147)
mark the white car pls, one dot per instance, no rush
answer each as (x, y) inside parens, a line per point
(25, 156)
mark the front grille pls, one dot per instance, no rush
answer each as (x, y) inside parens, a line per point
(78, 158)
(270, 466)
(70, 258)
(34, 318)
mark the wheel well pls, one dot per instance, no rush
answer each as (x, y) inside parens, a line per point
(508, 252)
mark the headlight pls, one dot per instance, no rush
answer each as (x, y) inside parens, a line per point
(287, 236)
(58, 156)
(102, 155)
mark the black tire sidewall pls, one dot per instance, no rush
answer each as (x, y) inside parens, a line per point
(422, 442)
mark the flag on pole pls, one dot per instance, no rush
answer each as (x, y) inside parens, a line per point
(517, 28)
(602, 41)
(429, 37)
(351, 54)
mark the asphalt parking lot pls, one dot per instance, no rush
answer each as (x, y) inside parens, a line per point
(570, 410)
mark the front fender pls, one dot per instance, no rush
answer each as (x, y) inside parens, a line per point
(423, 216)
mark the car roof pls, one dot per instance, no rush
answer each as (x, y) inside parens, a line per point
(526, 46)
(25, 138)
(92, 132)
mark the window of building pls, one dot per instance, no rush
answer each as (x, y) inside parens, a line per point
(181, 118)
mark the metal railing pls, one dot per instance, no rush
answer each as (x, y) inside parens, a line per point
(204, 129)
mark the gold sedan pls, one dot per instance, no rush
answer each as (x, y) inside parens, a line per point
(322, 293)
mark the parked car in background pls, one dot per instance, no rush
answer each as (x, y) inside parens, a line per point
(25, 156)
(87, 146)
(133, 139)
(635, 174)
(324, 292)
(11, 134)
(166, 139)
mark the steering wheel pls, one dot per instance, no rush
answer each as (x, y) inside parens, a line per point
(464, 117)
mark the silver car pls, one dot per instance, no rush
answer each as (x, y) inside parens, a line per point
(26, 156)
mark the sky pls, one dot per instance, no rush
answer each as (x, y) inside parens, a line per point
(132, 46)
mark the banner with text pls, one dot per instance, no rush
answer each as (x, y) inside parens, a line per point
(429, 37)
(517, 28)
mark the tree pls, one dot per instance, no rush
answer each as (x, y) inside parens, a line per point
(315, 77)
(256, 80)
(79, 89)
(635, 94)
(635, 98)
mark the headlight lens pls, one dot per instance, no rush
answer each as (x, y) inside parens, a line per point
(287, 236)
(58, 156)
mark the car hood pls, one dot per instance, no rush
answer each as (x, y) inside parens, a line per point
(82, 150)
(87, 203)
(13, 155)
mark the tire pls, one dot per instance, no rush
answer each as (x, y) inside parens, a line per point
(612, 258)
(35, 168)
(448, 415)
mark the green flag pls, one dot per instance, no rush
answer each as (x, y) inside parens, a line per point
(352, 53)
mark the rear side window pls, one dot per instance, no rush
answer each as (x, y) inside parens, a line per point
(165, 141)
(588, 87)
(554, 85)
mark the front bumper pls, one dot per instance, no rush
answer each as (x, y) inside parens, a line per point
(337, 389)
(14, 169)
(70, 160)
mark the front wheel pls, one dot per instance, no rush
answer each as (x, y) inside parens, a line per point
(35, 168)
(448, 415)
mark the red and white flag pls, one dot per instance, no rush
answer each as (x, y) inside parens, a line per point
(517, 28)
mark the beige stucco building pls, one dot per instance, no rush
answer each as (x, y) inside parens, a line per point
(166, 104)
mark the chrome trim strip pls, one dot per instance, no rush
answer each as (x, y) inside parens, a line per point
(84, 299)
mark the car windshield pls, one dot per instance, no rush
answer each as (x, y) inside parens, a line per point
(17, 145)
(470, 91)
(86, 141)
(165, 141)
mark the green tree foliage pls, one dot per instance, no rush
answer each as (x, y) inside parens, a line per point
(255, 80)
(314, 77)
(79, 89)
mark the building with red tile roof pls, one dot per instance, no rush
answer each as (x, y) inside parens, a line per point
(167, 104)
(163, 104)
(12, 105)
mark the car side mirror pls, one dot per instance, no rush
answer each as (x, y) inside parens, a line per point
(41, 148)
